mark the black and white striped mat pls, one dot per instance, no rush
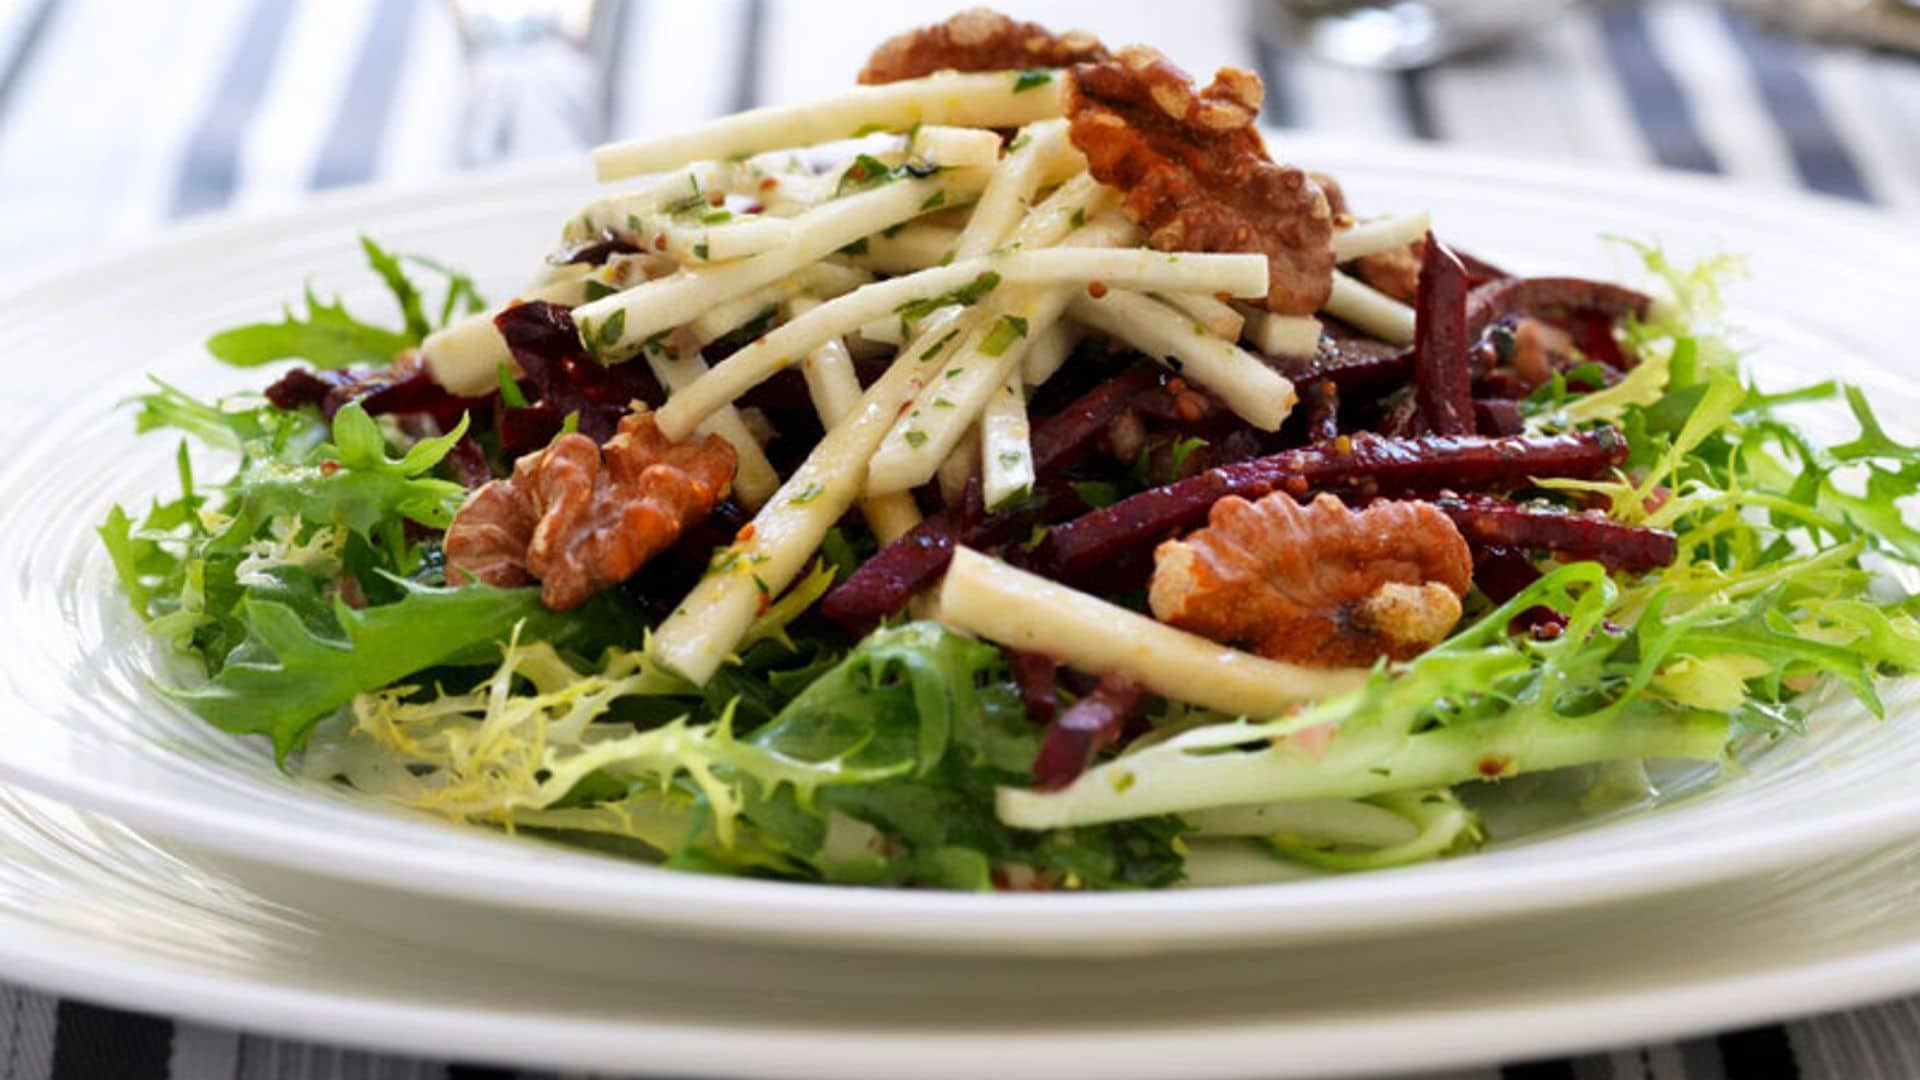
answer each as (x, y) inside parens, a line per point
(119, 116)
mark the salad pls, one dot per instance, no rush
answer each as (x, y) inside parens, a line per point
(1006, 475)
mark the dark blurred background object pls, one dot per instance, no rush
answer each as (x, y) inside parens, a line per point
(1893, 24)
(1394, 35)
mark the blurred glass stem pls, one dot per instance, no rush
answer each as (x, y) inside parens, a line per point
(535, 76)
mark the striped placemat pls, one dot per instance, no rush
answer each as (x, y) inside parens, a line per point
(120, 116)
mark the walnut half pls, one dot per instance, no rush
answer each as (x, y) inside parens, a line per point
(1196, 173)
(977, 40)
(579, 517)
(1318, 584)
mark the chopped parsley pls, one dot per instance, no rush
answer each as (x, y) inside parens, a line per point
(510, 394)
(807, 494)
(1095, 493)
(858, 247)
(693, 200)
(700, 250)
(598, 290)
(935, 200)
(1031, 78)
(868, 171)
(1009, 329)
(608, 335)
(1078, 217)
(1182, 450)
(966, 295)
(1019, 143)
(571, 424)
(1011, 459)
(716, 216)
(916, 438)
(933, 350)
(1014, 498)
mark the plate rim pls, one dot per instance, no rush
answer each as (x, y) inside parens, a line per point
(920, 921)
(67, 963)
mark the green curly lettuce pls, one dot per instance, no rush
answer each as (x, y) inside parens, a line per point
(539, 744)
(297, 583)
(302, 658)
(1772, 592)
(878, 768)
(328, 336)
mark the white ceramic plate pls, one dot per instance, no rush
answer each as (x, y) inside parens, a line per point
(89, 909)
(1830, 296)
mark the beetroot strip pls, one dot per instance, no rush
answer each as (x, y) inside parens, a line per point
(883, 584)
(1502, 573)
(1498, 416)
(1592, 333)
(1354, 376)
(1479, 271)
(1497, 300)
(467, 463)
(1322, 400)
(546, 344)
(1071, 430)
(1583, 535)
(1090, 547)
(1441, 374)
(1088, 726)
(1038, 677)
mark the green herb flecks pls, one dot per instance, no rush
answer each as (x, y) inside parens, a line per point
(1006, 331)
(1030, 79)
(965, 296)
(510, 394)
(868, 172)
(930, 352)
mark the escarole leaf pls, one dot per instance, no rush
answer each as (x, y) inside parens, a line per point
(404, 293)
(303, 658)
(539, 744)
(1440, 823)
(940, 710)
(894, 701)
(1482, 705)
(327, 336)
(349, 481)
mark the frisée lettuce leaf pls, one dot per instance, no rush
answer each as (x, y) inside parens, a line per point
(326, 335)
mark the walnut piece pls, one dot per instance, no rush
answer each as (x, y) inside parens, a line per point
(579, 517)
(1539, 350)
(1318, 584)
(1395, 271)
(977, 39)
(1196, 173)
